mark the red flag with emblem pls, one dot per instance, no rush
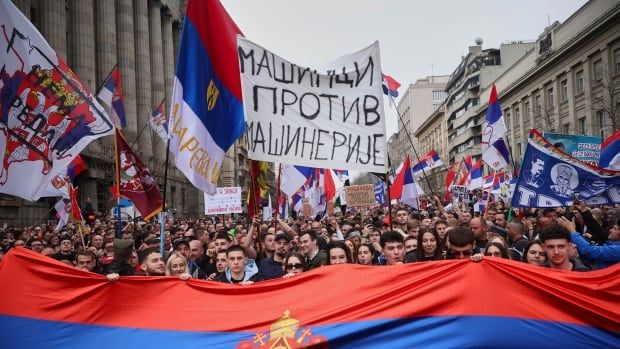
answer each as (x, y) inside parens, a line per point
(135, 181)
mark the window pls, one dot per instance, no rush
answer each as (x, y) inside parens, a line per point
(566, 128)
(507, 113)
(526, 111)
(563, 90)
(597, 66)
(436, 106)
(579, 82)
(550, 98)
(617, 60)
(517, 116)
(582, 126)
(439, 95)
(519, 156)
(537, 105)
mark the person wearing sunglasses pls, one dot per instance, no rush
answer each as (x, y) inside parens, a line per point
(461, 243)
(293, 265)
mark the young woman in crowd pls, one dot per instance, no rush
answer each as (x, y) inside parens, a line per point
(534, 254)
(293, 265)
(496, 249)
(338, 252)
(366, 255)
(429, 245)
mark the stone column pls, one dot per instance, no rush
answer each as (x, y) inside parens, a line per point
(54, 25)
(127, 62)
(177, 32)
(105, 48)
(105, 31)
(157, 74)
(143, 78)
(83, 45)
(168, 56)
(24, 6)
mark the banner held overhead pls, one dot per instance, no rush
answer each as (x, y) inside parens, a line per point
(297, 115)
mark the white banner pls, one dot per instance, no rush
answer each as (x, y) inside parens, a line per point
(331, 119)
(226, 200)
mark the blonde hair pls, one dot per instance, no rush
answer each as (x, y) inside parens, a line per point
(175, 255)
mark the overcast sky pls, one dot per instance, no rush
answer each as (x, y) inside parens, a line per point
(418, 38)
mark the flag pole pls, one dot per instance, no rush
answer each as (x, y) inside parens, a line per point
(145, 125)
(411, 142)
(387, 181)
(43, 216)
(106, 78)
(118, 184)
(139, 134)
(278, 192)
(254, 202)
(163, 210)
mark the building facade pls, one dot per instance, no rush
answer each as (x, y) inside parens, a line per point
(143, 38)
(476, 72)
(432, 135)
(569, 82)
(416, 104)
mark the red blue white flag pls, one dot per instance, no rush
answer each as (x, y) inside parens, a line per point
(427, 162)
(610, 152)
(390, 85)
(494, 150)
(47, 115)
(59, 185)
(496, 303)
(111, 95)
(158, 122)
(206, 117)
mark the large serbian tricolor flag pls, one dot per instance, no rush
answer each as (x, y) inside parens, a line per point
(449, 304)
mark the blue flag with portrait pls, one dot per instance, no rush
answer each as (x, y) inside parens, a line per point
(551, 178)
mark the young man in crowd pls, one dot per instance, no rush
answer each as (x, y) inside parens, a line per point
(462, 243)
(393, 247)
(310, 249)
(240, 269)
(271, 268)
(556, 243)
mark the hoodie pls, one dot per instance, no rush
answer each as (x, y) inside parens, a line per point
(251, 273)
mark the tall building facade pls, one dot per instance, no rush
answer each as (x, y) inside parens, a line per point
(92, 36)
(432, 135)
(476, 72)
(416, 104)
(569, 82)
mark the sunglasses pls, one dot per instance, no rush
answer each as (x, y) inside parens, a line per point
(294, 266)
(461, 253)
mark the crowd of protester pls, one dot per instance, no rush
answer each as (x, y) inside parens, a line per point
(246, 250)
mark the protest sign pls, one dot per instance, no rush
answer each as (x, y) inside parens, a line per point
(331, 118)
(226, 200)
(460, 193)
(360, 195)
(584, 148)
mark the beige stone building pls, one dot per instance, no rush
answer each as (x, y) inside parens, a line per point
(415, 105)
(432, 135)
(569, 82)
(142, 37)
